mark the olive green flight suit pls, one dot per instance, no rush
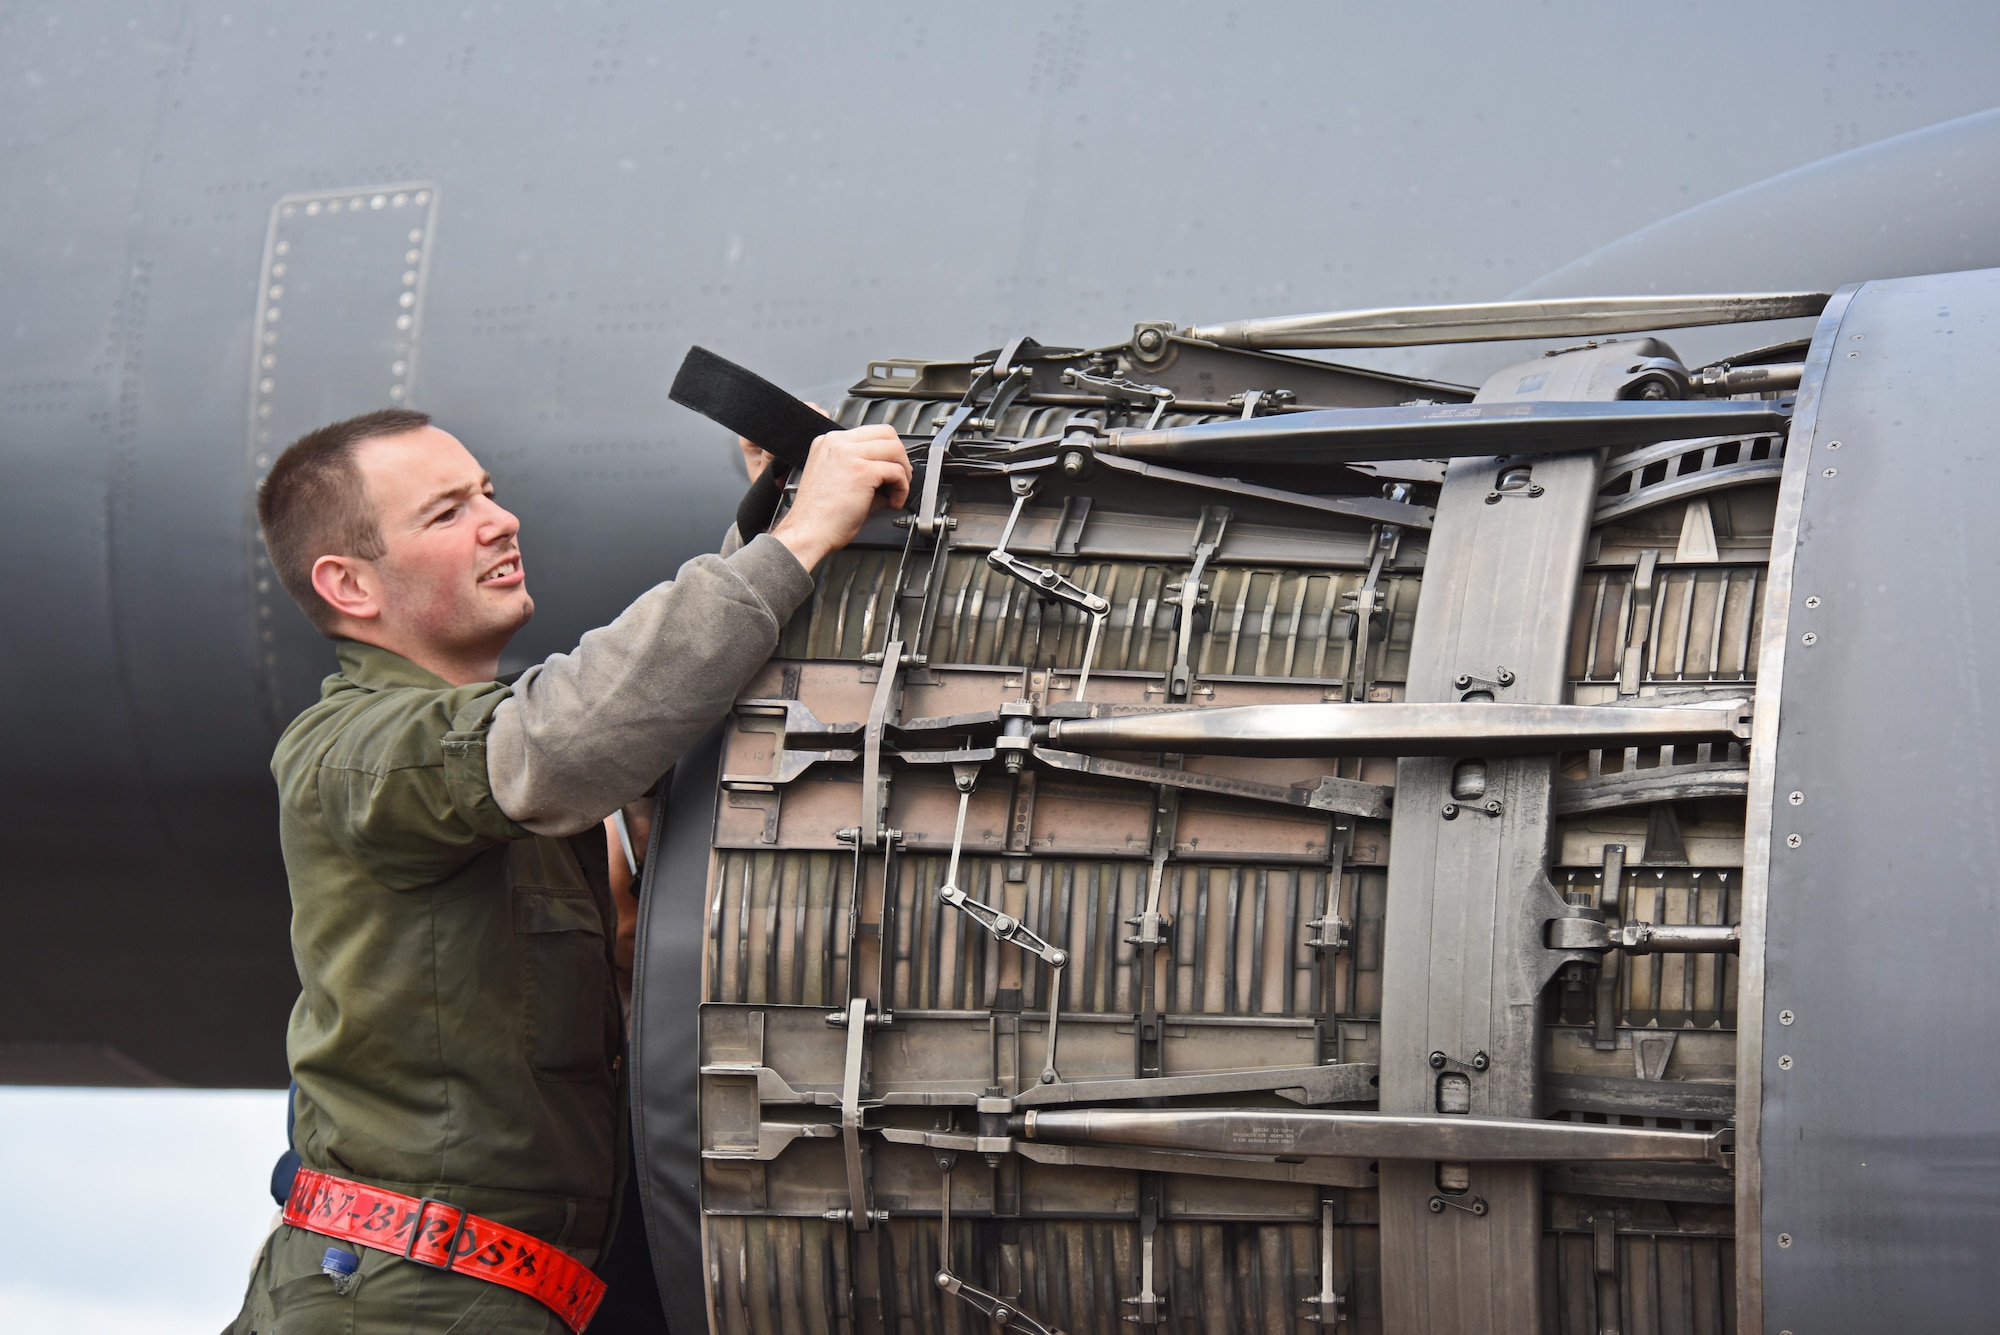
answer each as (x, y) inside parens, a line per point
(459, 1034)
(452, 959)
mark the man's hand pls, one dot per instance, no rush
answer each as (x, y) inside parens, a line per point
(755, 460)
(848, 476)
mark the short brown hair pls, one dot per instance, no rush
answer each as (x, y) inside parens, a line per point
(312, 504)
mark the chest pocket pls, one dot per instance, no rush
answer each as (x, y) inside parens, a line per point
(567, 973)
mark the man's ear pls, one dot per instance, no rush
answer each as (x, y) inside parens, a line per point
(349, 585)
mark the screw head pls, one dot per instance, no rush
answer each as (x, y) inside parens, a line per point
(1796, 798)
(1784, 1239)
(1149, 339)
(1449, 811)
(1810, 637)
(1480, 1061)
(1813, 601)
(1785, 1062)
(1437, 1061)
(1786, 1017)
(1794, 840)
(1831, 472)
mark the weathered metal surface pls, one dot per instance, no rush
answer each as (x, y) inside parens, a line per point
(1465, 961)
(951, 890)
(1876, 1188)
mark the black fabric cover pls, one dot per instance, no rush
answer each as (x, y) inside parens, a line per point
(749, 405)
(758, 411)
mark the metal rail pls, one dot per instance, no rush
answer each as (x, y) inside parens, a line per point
(1568, 317)
(1402, 729)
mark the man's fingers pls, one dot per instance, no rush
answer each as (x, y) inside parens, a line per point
(892, 484)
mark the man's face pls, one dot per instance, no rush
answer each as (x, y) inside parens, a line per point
(451, 574)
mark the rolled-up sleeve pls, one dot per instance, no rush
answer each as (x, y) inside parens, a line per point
(586, 732)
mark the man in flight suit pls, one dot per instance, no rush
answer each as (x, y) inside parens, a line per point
(458, 1036)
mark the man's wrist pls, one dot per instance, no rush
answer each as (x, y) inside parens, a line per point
(806, 546)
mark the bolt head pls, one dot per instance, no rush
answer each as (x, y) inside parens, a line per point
(1480, 1061)
(1437, 1061)
(1149, 339)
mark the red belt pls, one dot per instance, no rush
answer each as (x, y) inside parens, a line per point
(445, 1237)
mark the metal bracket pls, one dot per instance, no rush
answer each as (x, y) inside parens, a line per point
(792, 761)
(1261, 402)
(1364, 602)
(1207, 538)
(1471, 683)
(1604, 1014)
(1329, 1304)
(860, 1205)
(1121, 391)
(1003, 926)
(1050, 582)
(874, 780)
(1631, 667)
(1148, 1307)
(1642, 938)
(1475, 1205)
(992, 1306)
(999, 384)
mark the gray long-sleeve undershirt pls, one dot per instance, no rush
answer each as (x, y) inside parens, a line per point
(588, 731)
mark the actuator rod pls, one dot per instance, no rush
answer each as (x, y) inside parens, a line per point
(1476, 729)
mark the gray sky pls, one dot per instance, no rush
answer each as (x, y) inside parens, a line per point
(186, 1175)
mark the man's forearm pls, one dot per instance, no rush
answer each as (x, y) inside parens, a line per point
(586, 732)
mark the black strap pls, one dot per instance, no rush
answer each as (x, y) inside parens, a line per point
(749, 405)
(760, 504)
